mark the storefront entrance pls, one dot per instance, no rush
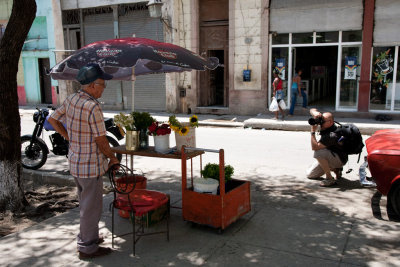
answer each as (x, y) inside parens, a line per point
(319, 65)
(330, 62)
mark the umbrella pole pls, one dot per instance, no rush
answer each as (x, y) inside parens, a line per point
(133, 89)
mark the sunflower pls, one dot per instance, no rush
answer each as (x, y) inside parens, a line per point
(184, 131)
(194, 121)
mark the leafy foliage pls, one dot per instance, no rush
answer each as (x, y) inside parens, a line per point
(142, 120)
(211, 170)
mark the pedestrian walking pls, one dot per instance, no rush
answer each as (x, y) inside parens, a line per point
(297, 90)
(278, 93)
(87, 155)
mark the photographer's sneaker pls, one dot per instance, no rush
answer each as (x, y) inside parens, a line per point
(327, 182)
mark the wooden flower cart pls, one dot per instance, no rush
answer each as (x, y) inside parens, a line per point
(217, 211)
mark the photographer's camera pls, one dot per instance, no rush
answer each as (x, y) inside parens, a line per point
(315, 121)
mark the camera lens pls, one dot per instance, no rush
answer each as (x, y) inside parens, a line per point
(312, 121)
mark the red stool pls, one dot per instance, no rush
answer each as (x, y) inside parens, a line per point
(136, 202)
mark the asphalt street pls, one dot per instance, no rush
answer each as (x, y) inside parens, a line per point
(293, 221)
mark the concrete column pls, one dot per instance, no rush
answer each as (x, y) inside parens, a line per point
(59, 45)
(365, 82)
(116, 21)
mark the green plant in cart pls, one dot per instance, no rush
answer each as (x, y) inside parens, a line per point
(211, 170)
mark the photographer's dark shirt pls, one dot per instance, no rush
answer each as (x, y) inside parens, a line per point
(330, 140)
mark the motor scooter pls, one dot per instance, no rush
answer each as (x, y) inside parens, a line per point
(34, 150)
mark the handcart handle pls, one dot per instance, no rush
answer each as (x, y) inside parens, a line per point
(202, 149)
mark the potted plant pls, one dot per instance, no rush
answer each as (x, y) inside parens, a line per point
(185, 133)
(210, 182)
(211, 170)
(132, 135)
(160, 132)
(142, 120)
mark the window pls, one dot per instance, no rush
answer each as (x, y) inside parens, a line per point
(351, 36)
(280, 38)
(327, 37)
(382, 78)
(397, 89)
(302, 38)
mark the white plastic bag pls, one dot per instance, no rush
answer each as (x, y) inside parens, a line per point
(282, 104)
(274, 105)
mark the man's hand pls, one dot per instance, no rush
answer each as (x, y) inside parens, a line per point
(113, 161)
(315, 113)
(104, 147)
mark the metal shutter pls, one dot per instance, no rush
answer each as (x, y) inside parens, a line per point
(387, 23)
(150, 90)
(293, 16)
(100, 27)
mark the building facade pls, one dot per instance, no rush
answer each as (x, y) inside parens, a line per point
(348, 51)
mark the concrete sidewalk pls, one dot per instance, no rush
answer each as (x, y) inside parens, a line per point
(292, 222)
(367, 126)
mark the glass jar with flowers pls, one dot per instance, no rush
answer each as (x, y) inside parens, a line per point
(142, 120)
(185, 133)
(132, 135)
(161, 133)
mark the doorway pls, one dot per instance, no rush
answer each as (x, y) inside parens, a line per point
(214, 42)
(45, 81)
(319, 65)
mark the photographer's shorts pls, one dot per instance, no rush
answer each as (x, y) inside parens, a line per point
(315, 170)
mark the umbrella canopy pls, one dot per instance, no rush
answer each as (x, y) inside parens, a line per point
(127, 56)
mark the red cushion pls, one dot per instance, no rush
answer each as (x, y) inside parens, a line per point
(143, 201)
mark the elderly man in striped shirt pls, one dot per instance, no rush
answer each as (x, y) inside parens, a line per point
(88, 153)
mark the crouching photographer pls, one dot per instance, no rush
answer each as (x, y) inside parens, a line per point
(328, 155)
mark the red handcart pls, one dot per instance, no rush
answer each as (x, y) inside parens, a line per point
(218, 211)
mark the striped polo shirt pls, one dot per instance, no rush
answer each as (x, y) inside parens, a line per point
(84, 119)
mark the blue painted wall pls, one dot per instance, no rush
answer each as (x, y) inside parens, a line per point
(39, 44)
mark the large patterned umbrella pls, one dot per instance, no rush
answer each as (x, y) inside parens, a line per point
(125, 57)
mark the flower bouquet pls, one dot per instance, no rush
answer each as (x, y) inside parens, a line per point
(157, 129)
(160, 132)
(185, 133)
(125, 121)
(183, 129)
(132, 136)
(142, 120)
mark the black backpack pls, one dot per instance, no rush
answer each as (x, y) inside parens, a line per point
(349, 138)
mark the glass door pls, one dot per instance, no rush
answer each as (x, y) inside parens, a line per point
(347, 92)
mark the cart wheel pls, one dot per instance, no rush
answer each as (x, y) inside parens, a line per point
(193, 224)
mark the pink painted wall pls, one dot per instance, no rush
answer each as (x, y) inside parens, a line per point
(53, 95)
(21, 95)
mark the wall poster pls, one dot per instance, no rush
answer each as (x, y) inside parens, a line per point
(280, 66)
(350, 68)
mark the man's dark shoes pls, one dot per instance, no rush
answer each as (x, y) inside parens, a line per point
(101, 251)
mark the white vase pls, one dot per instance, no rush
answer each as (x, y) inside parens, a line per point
(161, 143)
(188, 140)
